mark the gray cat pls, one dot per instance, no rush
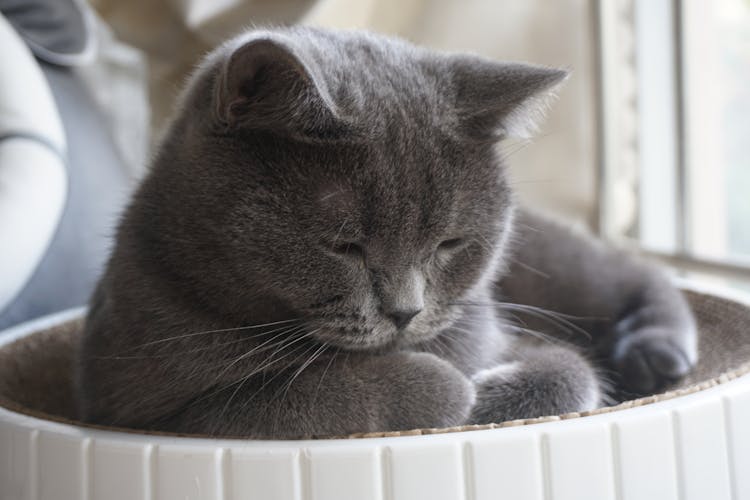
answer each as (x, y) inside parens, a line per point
(327, 244)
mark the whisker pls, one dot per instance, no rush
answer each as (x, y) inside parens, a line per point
(290, 337)
(283, 330)
(536, 334)
(307, 363)
(560, 320)
(320, 382)
(525, 306)
(513, 148)
(268, 363)
(510, 347)
(441, 346)
(249, 353)
(221, 330)
(486, 244)
(244, 379)
(277, 375)
(506, 325)
(299, 371)
(338, 233)
(531, 269)
(552, 317)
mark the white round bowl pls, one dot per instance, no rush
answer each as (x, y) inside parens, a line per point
(692, 444)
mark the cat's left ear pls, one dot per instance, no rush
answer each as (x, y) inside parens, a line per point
(267, 83)
(499, 100)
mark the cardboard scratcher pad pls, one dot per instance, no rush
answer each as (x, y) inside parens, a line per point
(36, 371)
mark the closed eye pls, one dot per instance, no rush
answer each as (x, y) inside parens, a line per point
(451, 244)
(347, 249)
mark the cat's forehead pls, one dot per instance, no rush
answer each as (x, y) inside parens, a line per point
(374, 77)
(400, 86)
(395, 197)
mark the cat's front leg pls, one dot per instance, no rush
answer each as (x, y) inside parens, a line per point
(541, 381)
(411, 390)
(348, 393)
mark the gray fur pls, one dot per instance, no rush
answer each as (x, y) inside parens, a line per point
(327, 243)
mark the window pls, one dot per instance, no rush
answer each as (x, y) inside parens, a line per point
(676, 130)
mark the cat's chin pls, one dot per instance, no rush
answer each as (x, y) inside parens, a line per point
(381, 343)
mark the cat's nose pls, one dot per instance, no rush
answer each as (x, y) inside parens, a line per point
(401, 318)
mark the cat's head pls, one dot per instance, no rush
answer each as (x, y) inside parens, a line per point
(344, 178)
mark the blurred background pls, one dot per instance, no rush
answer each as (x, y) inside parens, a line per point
(646, 144)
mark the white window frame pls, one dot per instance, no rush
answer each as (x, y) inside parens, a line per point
(643, 185)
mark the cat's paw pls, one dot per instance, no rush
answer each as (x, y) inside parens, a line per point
(447, 397)
(423, 391)
(546, 381)
(651, 359)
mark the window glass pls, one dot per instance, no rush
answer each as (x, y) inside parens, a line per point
(716, 49)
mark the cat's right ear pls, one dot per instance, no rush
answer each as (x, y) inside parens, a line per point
(266, 85)
(497, 100)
